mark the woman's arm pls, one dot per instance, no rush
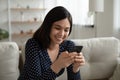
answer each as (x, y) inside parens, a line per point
(32, 67)
(70, 73)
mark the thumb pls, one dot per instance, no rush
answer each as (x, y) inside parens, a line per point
(65, 54)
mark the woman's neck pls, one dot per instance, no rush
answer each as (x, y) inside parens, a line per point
(53, 51)
(53, 47)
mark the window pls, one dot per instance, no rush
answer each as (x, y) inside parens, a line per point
(78, 9)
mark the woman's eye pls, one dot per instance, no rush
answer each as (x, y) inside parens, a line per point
(66, 30)
(57, 28)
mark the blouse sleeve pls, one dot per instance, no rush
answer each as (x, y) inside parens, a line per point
(32, 67)
(70, 74)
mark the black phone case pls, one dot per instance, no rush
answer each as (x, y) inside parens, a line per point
(77, 49)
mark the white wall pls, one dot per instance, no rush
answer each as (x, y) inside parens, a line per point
(105, 20)
(82, 32)
(3, 14)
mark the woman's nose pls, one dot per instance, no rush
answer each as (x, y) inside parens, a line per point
(61, 32)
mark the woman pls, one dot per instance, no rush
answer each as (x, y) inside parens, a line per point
(48, 53)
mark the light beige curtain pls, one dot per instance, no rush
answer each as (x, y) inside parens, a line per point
(117, 18)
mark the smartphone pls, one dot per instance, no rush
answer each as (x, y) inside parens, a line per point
(77, 49)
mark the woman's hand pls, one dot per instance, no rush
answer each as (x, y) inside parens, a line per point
(64, 60)
(78, 61)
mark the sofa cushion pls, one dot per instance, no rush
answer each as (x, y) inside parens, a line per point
(9, 59)
(101, 57)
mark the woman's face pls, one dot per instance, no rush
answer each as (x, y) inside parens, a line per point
(59, 31)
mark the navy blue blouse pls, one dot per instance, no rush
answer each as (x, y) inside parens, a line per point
(37, 63)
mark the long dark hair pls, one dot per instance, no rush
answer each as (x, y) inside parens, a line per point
(42, 35)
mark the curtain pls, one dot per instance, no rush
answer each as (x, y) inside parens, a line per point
(117, 18)
(117, 14)
(78, 9)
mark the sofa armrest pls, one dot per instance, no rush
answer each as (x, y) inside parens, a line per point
(9, 60)
(116, 74)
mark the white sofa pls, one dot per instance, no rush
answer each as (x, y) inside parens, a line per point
(101, 56)
(9, 60)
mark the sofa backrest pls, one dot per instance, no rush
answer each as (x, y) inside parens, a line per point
(101, 57)
(9, 61)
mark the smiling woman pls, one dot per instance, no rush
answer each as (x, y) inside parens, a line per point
(47, 53)
(60, 31)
